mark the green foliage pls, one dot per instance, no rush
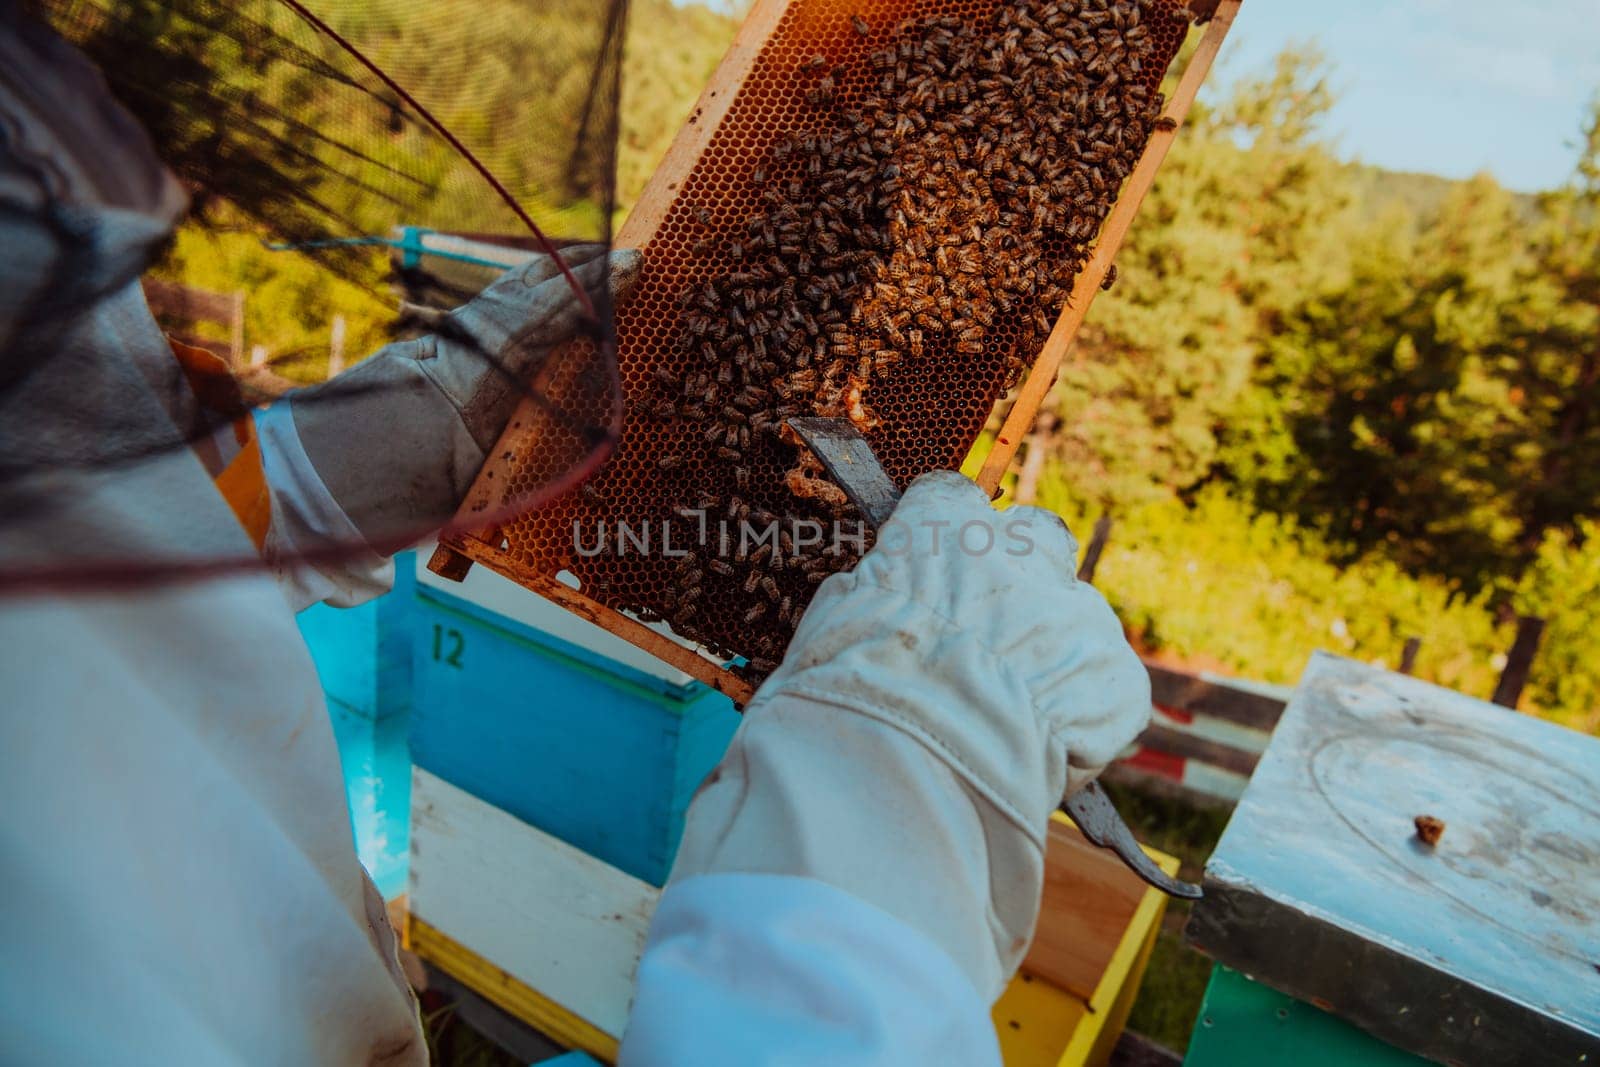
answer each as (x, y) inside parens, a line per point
(1219, 584)
(1238, 224)
(507, 78)
(1359, 406)
(523, 85)
(1562, 585)
(1383, 392)
(290, 302)
(672, 50)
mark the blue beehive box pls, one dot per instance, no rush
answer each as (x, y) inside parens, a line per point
(363, 657)
(520, 703)
(560, 723)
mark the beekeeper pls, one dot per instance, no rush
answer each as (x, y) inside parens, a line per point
(858, 878)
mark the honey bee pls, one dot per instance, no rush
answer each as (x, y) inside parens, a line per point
(669, 462)
(860, 25)
(1110, 278)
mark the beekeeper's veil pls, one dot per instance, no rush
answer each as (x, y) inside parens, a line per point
(290, 186)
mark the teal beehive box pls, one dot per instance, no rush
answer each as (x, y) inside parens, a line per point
(363, 654)
(363, 657)
(526, 706)
(559, 723)
(1246, 1024)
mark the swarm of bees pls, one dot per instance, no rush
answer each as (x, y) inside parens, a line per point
(897, 228)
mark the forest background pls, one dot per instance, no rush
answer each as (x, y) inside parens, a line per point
(1327, 406)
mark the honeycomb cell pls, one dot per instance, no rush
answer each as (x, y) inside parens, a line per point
(928, 408)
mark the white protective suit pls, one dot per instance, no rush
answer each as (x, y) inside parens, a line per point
(857, 879)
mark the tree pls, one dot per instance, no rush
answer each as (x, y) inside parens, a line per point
(1237, 226)
(1444, 404)
(1551, 358)
(1387, 388)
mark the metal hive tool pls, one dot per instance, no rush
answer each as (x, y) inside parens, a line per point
(848, 459)
(930, 410)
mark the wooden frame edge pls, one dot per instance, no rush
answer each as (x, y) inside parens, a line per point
(1112, 1001)
(632, 631)
(1048, 364)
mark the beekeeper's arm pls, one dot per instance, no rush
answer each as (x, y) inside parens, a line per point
(386, 451)
(860, 876)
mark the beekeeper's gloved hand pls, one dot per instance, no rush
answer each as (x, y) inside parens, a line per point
(399, 438)
(935, 706)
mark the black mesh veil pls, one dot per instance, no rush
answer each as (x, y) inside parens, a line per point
(346, 171)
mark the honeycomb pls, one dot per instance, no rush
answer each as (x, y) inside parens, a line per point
(927, 412)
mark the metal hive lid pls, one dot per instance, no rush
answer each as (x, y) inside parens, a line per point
(1484, 948)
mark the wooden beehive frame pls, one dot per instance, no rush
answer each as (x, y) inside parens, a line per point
(457, 553)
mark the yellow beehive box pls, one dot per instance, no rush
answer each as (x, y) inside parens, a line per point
(551, 935)
(1097, 927)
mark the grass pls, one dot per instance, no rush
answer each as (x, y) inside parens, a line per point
(453, 1043)
(1176, 978)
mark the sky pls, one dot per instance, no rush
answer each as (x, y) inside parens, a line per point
(1450, 87)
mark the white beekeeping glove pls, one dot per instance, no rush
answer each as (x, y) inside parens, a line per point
(935, 705)
(398, 438)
